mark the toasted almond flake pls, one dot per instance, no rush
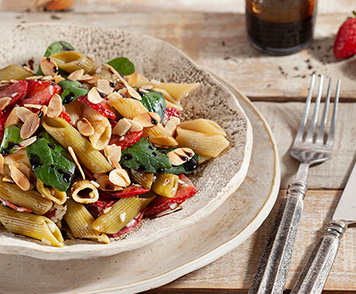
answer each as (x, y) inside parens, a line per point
(37, 106)
(26, 68)
(114, 95)
(135, 126)
(76, 75)
(22, 113)
(119, 177)
(43, 111)
(105, 184)
(7, 179)
(147, 119)
(155, 82)
(113, 154)
(55, 106)
(94, 96)
(5, 101)
(58, 79)
(133, 93)
(34, 78)
(49, 67)
(123, 92)
(72, 153)
(47, 78)
(180, 155)
(147, 87)
(19, 178)
(2, 161)
(114, 162)
(122, 127)
(95, 184)
(30, 126)
(27, 142)
(172, 124)
(13, 81)
(85, 127)
(104, 86)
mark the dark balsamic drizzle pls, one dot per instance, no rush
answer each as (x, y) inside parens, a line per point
(127, 156)
(67, 176)
(35, 161)
(50, 145)
(69, 98)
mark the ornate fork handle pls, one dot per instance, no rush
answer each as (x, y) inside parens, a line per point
(272, 271)
(316, 271)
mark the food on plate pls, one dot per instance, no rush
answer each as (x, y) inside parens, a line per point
(92, 149)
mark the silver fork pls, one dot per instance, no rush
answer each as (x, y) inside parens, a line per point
(309, 149)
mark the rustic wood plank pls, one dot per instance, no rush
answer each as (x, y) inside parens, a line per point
(284, 120)
(236, 269)
(218, 42)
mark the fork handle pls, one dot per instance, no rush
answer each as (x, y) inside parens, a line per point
(316, 271)
(272, 272)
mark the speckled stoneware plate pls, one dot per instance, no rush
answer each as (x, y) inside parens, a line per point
(160, 61)
(157, 264)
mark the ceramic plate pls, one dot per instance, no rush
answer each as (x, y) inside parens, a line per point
(160, 61)
(170, 257)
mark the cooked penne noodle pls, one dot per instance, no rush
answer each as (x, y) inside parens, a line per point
(127, 107)
(143, 178)
(80, 222)
(203, 158)
(158, 135)
(84, 191)
(202, 125)
(51, 193)
(135, 79)
(165, 185)
(71, 61)
(29, 199)
(201, 143)
(74, 109)
(14, 72)
(67, 135)
(120, 214)
(101, 125)
(175, 105)
(103, 73)
(31, 225)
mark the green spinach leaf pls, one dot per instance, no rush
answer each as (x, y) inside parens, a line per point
(122, 65)
(11, 139)
(154, 102)
(50, 162)
(71, 90)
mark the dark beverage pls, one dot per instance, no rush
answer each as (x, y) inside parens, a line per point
(280, 27)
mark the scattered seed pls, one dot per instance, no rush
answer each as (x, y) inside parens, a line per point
(72, 153)
(55, 106)
(94, 96)
(30, 126)
(84, 127)
(76, 75)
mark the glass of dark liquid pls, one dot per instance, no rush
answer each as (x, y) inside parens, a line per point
(280, 27)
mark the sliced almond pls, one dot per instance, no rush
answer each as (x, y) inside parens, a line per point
(58, 79)
(22, 113)
(36, 106)
(5, 101)
(172, 124)
(72, 153)
(2, 162)
(54, 108)
(34, 78)
(49, 67)
(12, 118)
(119, 177)
(7, 179)
(27, 142)
(26, 68)
(94, 96)
(113, 154)
(106, 185)
(104, 86)
(122, 127)
(30, 126)
(76, 75)
(180, 155)
(147, 119)
(19, 178)
(84, 127)
(47, 78)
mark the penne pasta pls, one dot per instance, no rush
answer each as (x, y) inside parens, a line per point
(201, 143)
(158, 135)
(71, 61)
(74, 109)
(14, 72)
(143, 178)
(127, 107)
(165, 185)
(80, 222)
(84, 192)
(67, 135)
(120, 214)
(202, 125)
(31, 225)
(51, 193)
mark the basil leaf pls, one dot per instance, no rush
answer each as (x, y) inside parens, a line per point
(71, 90)
(50, 162)
(154, 102)
(185, 168)
(122, 65)
(11, 139)
(55, 47)
(143, 156)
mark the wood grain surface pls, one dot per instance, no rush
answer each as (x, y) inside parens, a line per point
(213, 34)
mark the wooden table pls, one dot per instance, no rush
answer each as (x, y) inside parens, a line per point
(213, 34)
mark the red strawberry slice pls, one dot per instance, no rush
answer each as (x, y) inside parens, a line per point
(3, 117)
(185, 190)
(170, 112)
(15, 91)
(103, 107)
(129, 191)
(126, 140)
(127, 229)
(345, 42)
(9, 204)
(39, 92)
(65, 116)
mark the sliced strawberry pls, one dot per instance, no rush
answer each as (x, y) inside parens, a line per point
(126, 140)
(103, 107)
(9, 204)
(39, 92)
(100, 206)
(65, 116)
(345, 41)
(170, 112)
(3, 117)
(15, 91)
(185, 190)
(127, 229)
(129, 191)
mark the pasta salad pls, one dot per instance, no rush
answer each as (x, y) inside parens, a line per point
(88, 150)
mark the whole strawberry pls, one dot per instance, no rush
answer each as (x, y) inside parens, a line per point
(345, 42)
